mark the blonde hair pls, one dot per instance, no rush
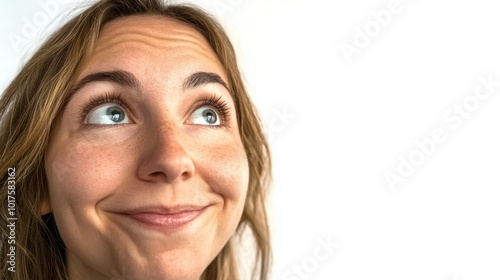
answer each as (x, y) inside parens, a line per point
(34, 100)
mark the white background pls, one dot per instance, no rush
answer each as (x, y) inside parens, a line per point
(336, 127)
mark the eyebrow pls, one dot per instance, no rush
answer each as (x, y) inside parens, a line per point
(120, 77)
(202, 78)
(128, 79)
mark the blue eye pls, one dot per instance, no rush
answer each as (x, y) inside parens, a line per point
(108, 114)
(205, 115)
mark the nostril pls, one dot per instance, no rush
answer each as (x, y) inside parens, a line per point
(168, 162)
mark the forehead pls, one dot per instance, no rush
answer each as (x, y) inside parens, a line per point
(149, 39)
(157, 31)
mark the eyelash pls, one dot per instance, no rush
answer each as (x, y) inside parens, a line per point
(100, 100)
(220, 105)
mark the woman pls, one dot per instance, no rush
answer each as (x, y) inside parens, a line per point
(137, 151)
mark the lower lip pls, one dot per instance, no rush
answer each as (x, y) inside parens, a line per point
(166, 221)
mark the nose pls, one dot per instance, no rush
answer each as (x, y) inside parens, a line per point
(164, 158)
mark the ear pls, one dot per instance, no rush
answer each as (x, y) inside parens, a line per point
(44, 207)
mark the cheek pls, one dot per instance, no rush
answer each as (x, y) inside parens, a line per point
(225, 169)
(78, 174)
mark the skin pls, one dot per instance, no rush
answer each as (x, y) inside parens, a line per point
(162, 155)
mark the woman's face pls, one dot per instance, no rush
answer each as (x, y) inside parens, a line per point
(147, 173)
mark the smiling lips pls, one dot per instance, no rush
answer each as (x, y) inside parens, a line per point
(164, 218)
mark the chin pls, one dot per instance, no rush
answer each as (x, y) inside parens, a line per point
(167, 267)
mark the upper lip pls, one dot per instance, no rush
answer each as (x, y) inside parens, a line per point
(162, 210)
